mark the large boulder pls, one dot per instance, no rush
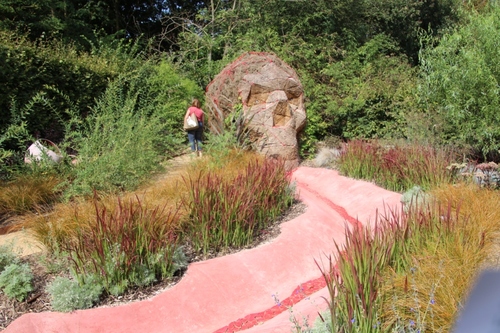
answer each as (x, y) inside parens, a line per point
(272, 103)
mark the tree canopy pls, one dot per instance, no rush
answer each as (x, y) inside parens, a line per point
(363, 63)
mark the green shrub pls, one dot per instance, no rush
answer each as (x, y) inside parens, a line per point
(373, 91)
(68, 295)
(460, 83)
(16, 281)
(120, 143)
(134, 125)
(54, 71)
(7, 257)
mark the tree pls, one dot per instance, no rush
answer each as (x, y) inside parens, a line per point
(317, 38)
(73, 19)
(461, 81)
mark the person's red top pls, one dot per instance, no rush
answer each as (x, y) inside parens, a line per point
(198, 112)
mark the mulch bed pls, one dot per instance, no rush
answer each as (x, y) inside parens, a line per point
(39, 299)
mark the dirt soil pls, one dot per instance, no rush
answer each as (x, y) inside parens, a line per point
(44, 272)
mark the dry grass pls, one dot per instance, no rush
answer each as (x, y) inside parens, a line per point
(446, 266)
(27, 193)
(233, 162)
(66, 219)
(62, 223)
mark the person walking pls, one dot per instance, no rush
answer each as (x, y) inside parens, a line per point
(195, 136)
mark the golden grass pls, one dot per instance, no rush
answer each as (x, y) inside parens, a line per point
(446, 266)
(27, 193)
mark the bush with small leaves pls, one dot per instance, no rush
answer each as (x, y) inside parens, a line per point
(68, 295)
(16, 281)
(180, 260)
(7, 257)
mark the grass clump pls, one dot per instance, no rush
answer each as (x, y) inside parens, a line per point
(27, 193)
(353, 280)
(413, 270)
(399, 167)
(16, 281)
(228, 210)
(133, 244)
(444, 267)
(69, 295)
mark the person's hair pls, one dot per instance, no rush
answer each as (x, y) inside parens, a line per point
(196, 103)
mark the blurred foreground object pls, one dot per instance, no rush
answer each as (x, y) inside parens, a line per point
(481, 313)
(39, 151)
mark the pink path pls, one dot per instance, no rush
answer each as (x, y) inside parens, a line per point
(217, 294)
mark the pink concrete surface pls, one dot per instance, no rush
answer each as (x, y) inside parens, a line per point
(214, 293)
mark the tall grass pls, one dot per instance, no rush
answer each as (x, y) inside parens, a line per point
(130, 245)
(399, 167)
(74, 229)
(413, 271)
(444, 266)
(229, 210)
(28, 193)
(354, 279)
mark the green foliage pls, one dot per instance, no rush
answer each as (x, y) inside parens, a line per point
(398, 167)
(52, 78)
(233, 137)
(82, 21)
(460, 87)
(134, 125)
(318, 108)
(131, 246)
(228, 212)
(373, 91)
(172, 94)
(11, 158)
(7, 257)
(69, 295)
(16, 281)
(119, 143)
(367, 90)
(51, 18)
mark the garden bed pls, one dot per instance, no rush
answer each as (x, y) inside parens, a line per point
(39, 299)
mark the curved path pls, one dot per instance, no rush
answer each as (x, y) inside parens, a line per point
(255, 290)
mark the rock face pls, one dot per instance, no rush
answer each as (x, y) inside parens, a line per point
(272, 103)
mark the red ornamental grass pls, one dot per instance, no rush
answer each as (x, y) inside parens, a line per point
(397, 168)
(123, 239)
(354, 277)
(229, 212)
(360, 159)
